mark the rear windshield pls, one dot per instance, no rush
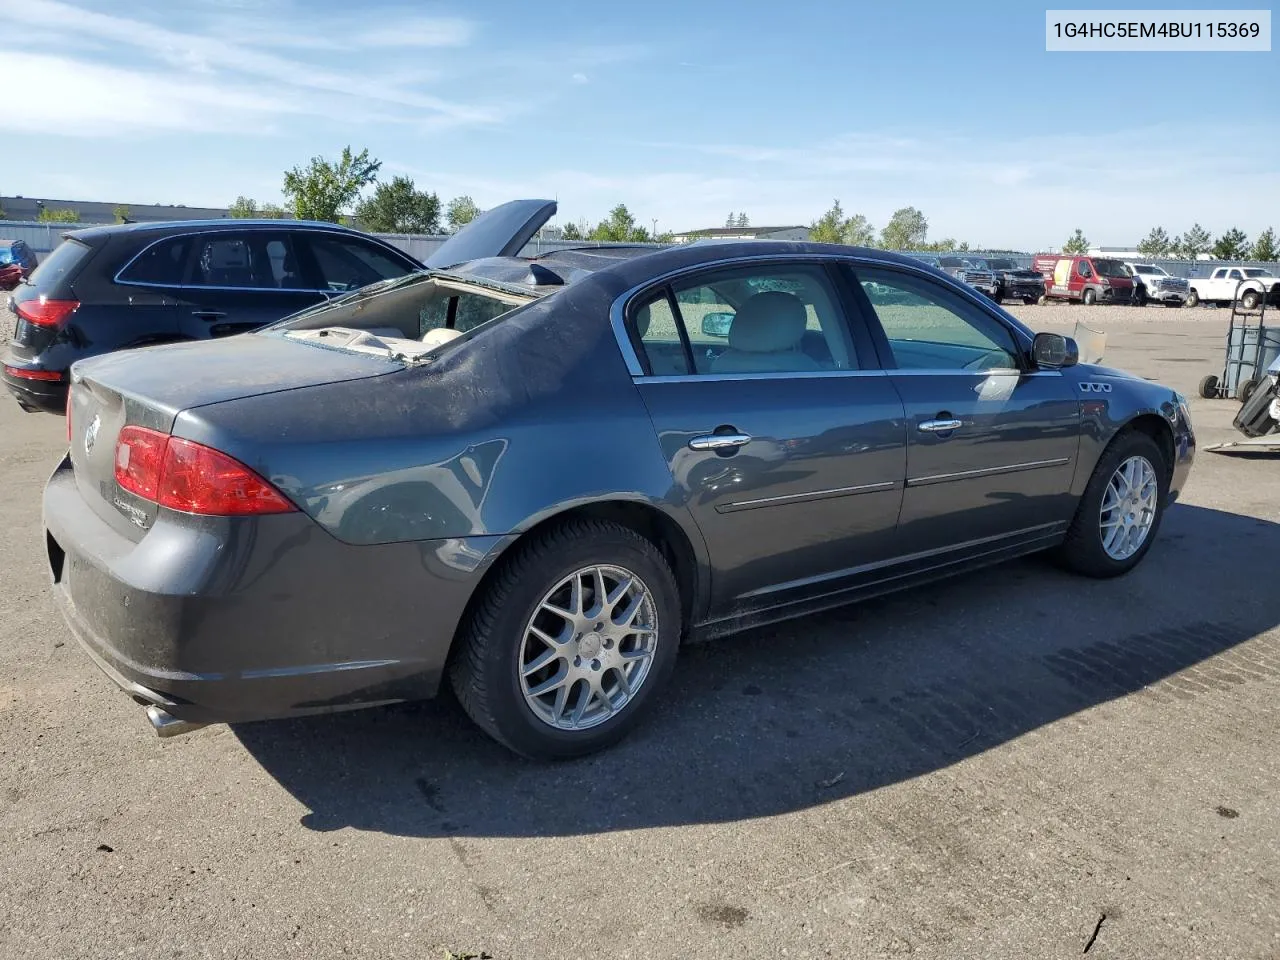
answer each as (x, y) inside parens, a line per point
(60, 264)
(1111, 268)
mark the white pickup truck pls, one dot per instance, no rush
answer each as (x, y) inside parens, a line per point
(1154, 284)
(1224, 285)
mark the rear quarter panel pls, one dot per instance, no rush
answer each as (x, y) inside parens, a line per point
(532, 417)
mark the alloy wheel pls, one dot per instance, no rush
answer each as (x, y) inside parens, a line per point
(1128, 508)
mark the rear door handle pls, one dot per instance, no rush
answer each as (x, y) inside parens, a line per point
(720, 441)
(208, 314)
(939, 426)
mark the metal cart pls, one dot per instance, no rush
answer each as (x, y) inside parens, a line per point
(1251, 348)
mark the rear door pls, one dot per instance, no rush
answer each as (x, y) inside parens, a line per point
(784, 438)
(236, 281)
(991, 443)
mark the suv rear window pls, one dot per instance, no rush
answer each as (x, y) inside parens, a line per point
(60, 265)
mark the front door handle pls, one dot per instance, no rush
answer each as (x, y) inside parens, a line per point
(720, 441)
(939, 426)
(208, 314)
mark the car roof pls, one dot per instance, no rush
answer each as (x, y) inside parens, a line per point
(191, 226)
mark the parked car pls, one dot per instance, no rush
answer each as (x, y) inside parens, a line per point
(1084, 278)
(1011, 282)
(543, 502)
(1249, 284)
(1152, 283)
(17, 260)
(114, 287)
(967, 271)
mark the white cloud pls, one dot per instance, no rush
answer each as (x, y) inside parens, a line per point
(579, 78)
(209, 54)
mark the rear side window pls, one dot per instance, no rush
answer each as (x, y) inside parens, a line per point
(60, 265)
(348, 264)
(164, 262)
(261, 260)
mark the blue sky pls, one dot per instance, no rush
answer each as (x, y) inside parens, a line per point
(683, 111)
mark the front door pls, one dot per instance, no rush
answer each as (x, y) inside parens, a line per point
(991, 443)
(784, 439)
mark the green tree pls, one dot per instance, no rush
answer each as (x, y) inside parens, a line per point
(1232, 245)
(1195, 242)
(273, 211)
(575, 230)
(834, 227)
(1156, 243)
(619, 227)
(1264, 248)
(731, 220)
(325, 188)
(121, 212)
(1077, 243)
(743, 220)
(244, 208)
(907, 229)
(460, 212)
(397, 207)
(1175, 247)
(58, 216)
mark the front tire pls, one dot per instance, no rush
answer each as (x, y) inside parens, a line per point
(1244, 390)
(1193, 299)
(571, 642)
(1090, 297)
(1120, 512)
(1250, 299)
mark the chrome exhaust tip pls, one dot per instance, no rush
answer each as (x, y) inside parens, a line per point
(166, 724)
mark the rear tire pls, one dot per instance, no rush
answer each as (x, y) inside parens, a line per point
(1085, 550)
(1090, 297)
(1193, 299)
(1209, 386)
(1244, 390)
(491, 674)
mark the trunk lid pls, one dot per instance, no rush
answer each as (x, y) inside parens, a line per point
(500, 232)
(150, 386)
(52, 280)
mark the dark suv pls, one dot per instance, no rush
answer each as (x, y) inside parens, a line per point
(109, 288)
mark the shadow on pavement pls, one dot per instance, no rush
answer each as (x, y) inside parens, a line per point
(871, 694)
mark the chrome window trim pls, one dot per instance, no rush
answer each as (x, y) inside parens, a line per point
(240, 229)
(772, 375)
(986, 472)
(883, 485)
(621, 304)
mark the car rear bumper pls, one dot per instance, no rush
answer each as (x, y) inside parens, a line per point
(235, 619)
(34, 395)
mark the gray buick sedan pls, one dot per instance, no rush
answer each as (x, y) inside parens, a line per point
(539, 476)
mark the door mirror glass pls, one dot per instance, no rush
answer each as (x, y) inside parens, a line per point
(716, 324)
(1052, 351)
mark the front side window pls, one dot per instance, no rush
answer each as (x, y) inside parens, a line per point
(1084, 270)
(766, 319)
(346, 263)
(930, 328)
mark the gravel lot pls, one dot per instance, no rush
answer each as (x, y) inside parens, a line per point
(1014, 764)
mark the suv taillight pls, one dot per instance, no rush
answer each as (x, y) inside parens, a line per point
(190, 477)
(44, 312)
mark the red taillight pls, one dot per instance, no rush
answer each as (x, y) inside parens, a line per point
(188, 476)
(44, 312)
(22, 374)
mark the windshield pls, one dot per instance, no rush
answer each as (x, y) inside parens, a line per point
(954, 262)
(1002, 265)
(1144, 269)
(6, 256)
(1111, 268)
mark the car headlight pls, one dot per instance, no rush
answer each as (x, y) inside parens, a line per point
(1183, 407)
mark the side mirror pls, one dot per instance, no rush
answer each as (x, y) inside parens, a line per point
(1053, 351)
(716, 324)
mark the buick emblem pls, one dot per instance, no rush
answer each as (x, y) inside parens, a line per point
(91, 435)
